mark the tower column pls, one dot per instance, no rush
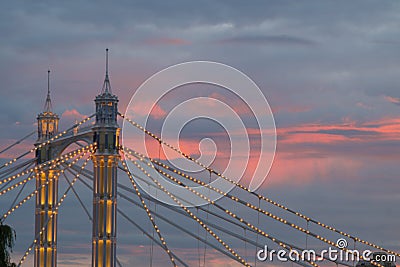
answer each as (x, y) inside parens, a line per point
(47, 196)
(46, 199)
(104, 210)
(105, 164)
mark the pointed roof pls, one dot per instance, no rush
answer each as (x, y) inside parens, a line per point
(47, 106)
(106, 85)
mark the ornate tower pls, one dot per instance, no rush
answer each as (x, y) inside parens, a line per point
(105, 163)
(47, 197)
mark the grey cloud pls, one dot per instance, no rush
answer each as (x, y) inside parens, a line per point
(271, 39)
(348, 133)
(324, 54)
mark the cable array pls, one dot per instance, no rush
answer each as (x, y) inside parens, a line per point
(25, 166)
(149, 214)
(17, 142)
(236, 199)
(280, 243)
(47, 142)
(123, 214)
(166, 171)
(61, 159)
(54, 212)
(89, 176)
(36, 191)
(256, 194)
(211, 232)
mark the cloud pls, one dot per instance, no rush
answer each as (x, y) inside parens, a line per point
(73, 114)
(383, 130)
(166, 41)
(141, 110)
(269, 40)
(315, 70)
(393, 100)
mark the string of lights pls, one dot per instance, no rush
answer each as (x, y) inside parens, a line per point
(27, 166)
(17, 167)
(280, 243)
(59, 160)
(230, 221)
(277, 218)
(54, 212)
(27, 179)
(17, 142)
(218, 227)
(90, 174)
(148, 235)
(258, 195)
(141, 157)
(149, 214)
(46, 142)
(37, 190)
(123, 214)
(209, 230)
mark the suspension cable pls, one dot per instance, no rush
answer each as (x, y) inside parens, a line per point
(36, 191)
(18, 195)
(83, 206)
(257, 235)
(216, 226)
(52, 214)
(160, 216)
(88, 176)
(148, 235)
(17, 142)
(277, 218)
(214, 204)
(47, 142)
(26, 164)
(256, 194)
(263, 197)
(78, 198)
(61, 159)
(194, 217)
(15, 168)
(149, 214)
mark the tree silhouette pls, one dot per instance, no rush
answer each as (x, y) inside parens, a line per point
(7, 241)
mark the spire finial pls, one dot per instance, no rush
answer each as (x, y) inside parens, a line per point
(106, 85)
(107, 61)
(47, 105)
(48, 82)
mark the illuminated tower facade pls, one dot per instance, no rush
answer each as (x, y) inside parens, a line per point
(105, 163)
(47, 197)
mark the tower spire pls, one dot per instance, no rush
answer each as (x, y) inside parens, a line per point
(47, 106)
(106, 85)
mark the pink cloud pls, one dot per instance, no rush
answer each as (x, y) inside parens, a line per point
(17, 150)
(348, 131)
(393, 100)
(157, 112)
(73, 114)
(166, 41)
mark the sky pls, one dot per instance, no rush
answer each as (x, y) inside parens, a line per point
(329, 70)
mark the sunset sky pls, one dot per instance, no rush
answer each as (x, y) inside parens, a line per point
(330, 71)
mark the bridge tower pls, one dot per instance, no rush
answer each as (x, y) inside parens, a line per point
(47, 197)
(105, 163)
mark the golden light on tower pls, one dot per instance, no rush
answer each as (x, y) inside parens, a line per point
(47, 186)
(105, 163)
